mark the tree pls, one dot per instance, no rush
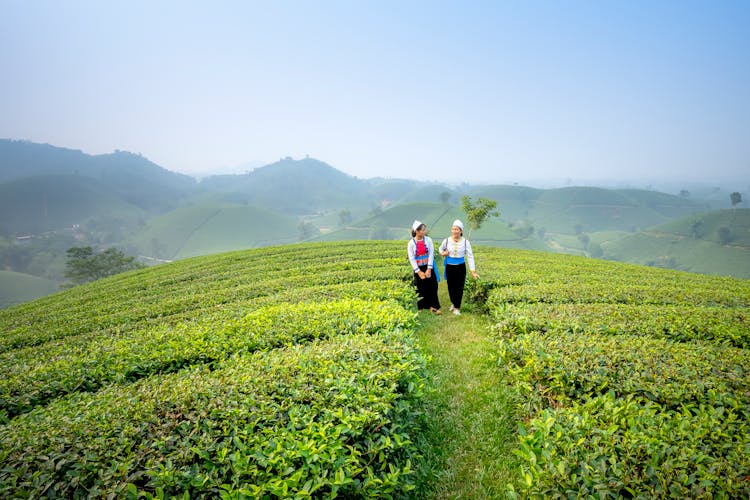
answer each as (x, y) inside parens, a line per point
(307, 230)
(695, 227)
(345, 217)
(595, 250)
(585, 239)
(736, 198)
(477, 213)
(725, 235)
(85, 265)
(445, 197)
(379, 231)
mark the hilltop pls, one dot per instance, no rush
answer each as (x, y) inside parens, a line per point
(135, 179)
(304, 370)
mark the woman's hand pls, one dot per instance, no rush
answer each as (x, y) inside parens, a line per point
(421, 275)
(428, 273)
(474, 275)
(444, 253)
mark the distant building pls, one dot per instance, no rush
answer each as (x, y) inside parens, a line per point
(24, 240)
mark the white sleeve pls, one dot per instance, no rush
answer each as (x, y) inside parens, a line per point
(444, 245)
(469, 256)
(411, 251)
(430, 252)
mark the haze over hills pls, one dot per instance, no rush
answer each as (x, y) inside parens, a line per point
(57, 198)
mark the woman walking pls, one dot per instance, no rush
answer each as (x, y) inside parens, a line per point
(457, 252)
(421, 253)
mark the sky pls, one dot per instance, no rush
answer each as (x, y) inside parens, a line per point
(475, 91)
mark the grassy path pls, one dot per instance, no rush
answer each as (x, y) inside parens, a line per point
(469, 426)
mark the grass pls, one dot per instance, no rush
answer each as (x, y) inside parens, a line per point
(469, 425)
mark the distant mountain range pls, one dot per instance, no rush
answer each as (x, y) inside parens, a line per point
(56, 198)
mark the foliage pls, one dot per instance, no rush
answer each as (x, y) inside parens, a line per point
(250, 374)
(477, 212)
(85, 265)
(735, 198)
(634, 381)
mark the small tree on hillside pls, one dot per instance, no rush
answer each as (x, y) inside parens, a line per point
(695, 227)
(345, 217)
(85, 265)
(445, 197)
(477, 213)
(725, 235)
(306, 230)
(735, 198)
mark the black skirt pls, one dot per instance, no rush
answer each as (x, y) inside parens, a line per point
(427, 289)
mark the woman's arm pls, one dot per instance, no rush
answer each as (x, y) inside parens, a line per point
(470, 259)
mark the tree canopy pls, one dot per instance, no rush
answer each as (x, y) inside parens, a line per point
(477, 212)
(85, 265)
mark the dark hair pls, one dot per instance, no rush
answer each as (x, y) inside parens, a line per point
(414, 231)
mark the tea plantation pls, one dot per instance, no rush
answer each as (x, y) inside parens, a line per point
(294, 371)
(635, 381)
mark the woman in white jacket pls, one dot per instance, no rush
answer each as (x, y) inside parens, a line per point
(457, 252)
(421, 254)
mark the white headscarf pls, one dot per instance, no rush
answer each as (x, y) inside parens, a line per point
(416, 224)
(458, 224)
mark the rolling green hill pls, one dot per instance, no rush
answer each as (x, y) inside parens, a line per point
(395, 223)
(135, 179)
(124, 200)
(589, 209)
(295, 371)
(691, 244)
(34, 205)
(708, 227)
(212, 228)
(17, 287)
(290, 186)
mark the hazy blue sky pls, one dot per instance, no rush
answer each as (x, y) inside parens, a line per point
(455, 91)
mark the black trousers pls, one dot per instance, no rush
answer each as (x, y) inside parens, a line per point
(427, 289)
(455, 275)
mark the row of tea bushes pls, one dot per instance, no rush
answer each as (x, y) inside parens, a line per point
(54, 326)
(279, 372)
(32, 377)
(680, 323)
(635, 381)
(137, 298)
(200, 275)
(318, 419)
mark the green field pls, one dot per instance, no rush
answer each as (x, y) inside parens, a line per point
(16, 288)
(212, 228)
(303, 371)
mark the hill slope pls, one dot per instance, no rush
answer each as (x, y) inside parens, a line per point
(212, 228)
(34, 205)
(292, 186)
(16, 288)
(135, 179)
(294, 370)
(692, 244)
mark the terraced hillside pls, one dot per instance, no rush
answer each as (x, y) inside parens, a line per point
(635, 382)
(294, 371)
(286, 371)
